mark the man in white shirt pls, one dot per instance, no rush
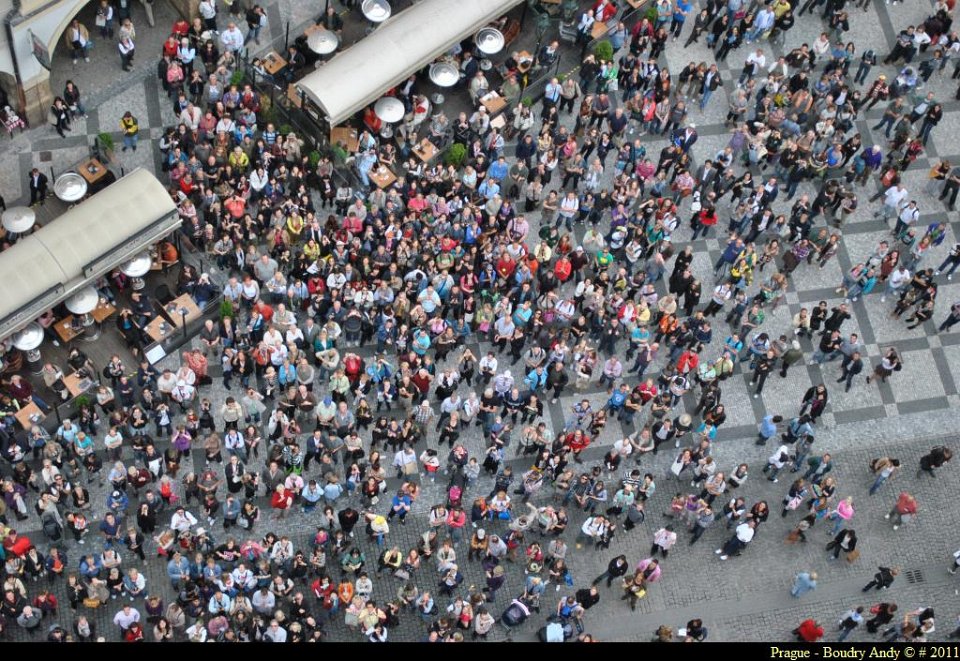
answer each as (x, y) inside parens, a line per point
(488, 367)
(126, 616)
(208, 12)
(191, 117)
(275, 633)
(754, 63)
(906, 218)
(232, 38)
(898, 278)
(569, 207)
(182, 520)
(893, 201)
(739, 541)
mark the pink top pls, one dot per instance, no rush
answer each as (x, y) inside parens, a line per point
(845, 510)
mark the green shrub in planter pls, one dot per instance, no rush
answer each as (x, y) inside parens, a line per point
(603, 51)
(455, 155)
(106, 141)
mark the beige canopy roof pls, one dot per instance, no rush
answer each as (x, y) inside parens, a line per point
(403, 44)
(83, 244)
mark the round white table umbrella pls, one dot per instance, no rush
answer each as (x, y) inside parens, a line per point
(389, 109)
(19, 219)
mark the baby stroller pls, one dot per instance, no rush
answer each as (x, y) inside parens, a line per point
(555, 632)
(515, 614)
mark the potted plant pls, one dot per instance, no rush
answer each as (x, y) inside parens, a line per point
(339, 154)
(603, 51)
(226, 308)
(106, 145)
(314, 157)
(455, 154)
(237, 77)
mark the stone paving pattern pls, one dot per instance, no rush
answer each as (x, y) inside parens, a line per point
(746, 598)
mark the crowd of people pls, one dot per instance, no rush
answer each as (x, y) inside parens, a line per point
(352, 316)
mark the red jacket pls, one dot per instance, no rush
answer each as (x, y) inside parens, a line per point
(609, 11)
(809, 631)
(281, 501)
(576, 444)
(906, 504)
(688, 362)
(563, 269)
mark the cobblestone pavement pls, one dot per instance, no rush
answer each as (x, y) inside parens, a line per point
(745, 598)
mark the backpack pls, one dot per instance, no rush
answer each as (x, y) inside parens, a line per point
(52, 529)
(454, 496)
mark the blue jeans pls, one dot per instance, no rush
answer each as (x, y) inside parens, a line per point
(363, 176)
(39, 402)
(877, 484)
(954, 263)
(838, 522)
(130, 141)
(253, 34)
(705, 98)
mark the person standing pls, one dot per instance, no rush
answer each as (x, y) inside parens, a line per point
(104, 20)
(38, 187)
(78, 39)
(952, 260)
(851, 366)
(889, 364)
(803, 583)
(208, 12)
(663, 541)
(849, 621)
(883, 468)
(256, 20)
(951, 319)
(148, 8)
(883, 579)
(768, 428)
(846, 541)
(60, 116)
(131, 131)
(735, 545)
(616, 568)
(127, 50)
(936, 458)
(903, 510)
(71, 95)
(711, 81)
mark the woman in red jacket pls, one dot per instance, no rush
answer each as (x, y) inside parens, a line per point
(809, 631)
(577, 441)
(563, 269)
(281, 501)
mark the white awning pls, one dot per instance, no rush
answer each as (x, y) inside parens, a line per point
(83, 244)
(402, 45)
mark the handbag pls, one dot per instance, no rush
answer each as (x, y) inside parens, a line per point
(852, 557)
(794, 502)
(91, 602)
